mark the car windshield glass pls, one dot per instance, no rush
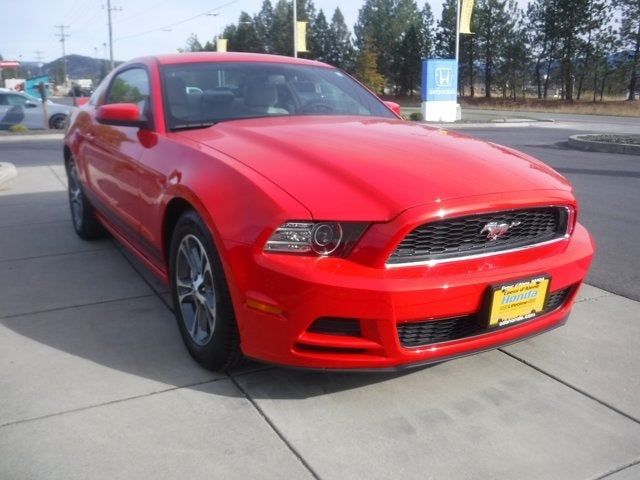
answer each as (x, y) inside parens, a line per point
(201, 94)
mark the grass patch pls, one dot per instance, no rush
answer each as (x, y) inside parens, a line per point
(622, 108)
(19, 128)
(608, 107)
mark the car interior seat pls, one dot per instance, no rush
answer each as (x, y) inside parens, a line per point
(263, 98)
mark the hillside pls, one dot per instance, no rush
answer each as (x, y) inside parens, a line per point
(78, 66)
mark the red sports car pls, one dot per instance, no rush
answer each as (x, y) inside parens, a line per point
(300, 221)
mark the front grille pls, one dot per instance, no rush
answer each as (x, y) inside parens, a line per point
(557, 299)
(436, 331)
(469, 235)
(417, 334)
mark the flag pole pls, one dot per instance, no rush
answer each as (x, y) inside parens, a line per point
(295, 28)
(457, 31)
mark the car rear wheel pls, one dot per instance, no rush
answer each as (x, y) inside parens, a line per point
(201, 299)
(83, 218)
(57, 122)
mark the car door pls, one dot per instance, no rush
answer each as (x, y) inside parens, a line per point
(29, 112)
(4, 108)
(112, 153)
(13, 111)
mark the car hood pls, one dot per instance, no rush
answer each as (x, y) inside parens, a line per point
(348, 168)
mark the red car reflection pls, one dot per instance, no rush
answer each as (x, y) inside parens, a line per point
(300, 221)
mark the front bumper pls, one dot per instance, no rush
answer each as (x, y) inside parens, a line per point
(303, 289)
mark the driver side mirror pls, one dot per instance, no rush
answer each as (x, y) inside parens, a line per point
(394, 107)
(121, 115)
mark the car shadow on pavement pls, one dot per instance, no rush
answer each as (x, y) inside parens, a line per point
(81, 312)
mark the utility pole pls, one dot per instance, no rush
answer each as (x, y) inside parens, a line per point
(38, 54)
(109, 10)
(63, 36)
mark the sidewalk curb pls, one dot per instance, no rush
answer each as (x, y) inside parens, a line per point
(8, 171)
(456, 126)
(581, 142)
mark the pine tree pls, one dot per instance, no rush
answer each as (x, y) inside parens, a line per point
(494, 23)
(263, 22)
(427, 31)
(572, 17)
(341, 52)
(630, 37)
(193, 44)
(320, 41)
(446, 32)
(598, 20)
(543, 42)
(244, 37)
(408, 64)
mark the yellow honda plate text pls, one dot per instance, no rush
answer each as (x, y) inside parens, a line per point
(517, 302)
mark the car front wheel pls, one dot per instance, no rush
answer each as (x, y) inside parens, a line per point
(201, 299)
(57, 122)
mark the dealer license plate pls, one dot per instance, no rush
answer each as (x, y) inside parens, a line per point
(517, 302)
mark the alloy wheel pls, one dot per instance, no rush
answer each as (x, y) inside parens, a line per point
(75, 196)
(195, 289)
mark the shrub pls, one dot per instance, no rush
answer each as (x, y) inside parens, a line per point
(19, 128)
(416, 117)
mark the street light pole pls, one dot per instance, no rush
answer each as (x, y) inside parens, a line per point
(217, 27)
(295, 28)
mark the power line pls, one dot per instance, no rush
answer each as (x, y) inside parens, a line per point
(63, 36)
(136, 15)
(178, 23)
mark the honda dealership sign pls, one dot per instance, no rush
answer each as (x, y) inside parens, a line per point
(439, 90)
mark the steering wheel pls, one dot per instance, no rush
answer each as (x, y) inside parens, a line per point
(317, 106)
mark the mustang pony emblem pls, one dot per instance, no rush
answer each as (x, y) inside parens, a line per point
(495, 230)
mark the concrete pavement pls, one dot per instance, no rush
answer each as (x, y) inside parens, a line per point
(95, 383)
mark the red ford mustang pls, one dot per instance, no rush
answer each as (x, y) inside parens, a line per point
(300, 221)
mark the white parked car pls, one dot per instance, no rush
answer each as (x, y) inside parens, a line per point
(20, 108)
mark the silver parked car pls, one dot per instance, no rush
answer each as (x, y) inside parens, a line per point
(20, 108)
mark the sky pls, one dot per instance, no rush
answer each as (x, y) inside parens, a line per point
(141, 27)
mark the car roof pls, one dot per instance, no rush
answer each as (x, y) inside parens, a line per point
(204, 57)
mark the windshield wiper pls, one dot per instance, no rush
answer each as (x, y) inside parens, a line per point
(191, 126)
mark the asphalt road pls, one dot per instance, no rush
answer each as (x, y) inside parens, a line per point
(608, 187)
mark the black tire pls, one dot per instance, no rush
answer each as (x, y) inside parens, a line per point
(201, 300)
(83, 218)
(58, 121)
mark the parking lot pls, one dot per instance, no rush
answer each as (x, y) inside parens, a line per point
(95, 381)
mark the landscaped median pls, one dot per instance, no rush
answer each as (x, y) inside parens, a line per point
(608, 143)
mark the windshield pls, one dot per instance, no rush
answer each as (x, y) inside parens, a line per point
(201, 94)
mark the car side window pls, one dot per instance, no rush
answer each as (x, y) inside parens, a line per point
(16, 100)
(131, 86)
(98, 95)
(3, 100)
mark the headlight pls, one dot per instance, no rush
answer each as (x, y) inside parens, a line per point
(315, 238)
